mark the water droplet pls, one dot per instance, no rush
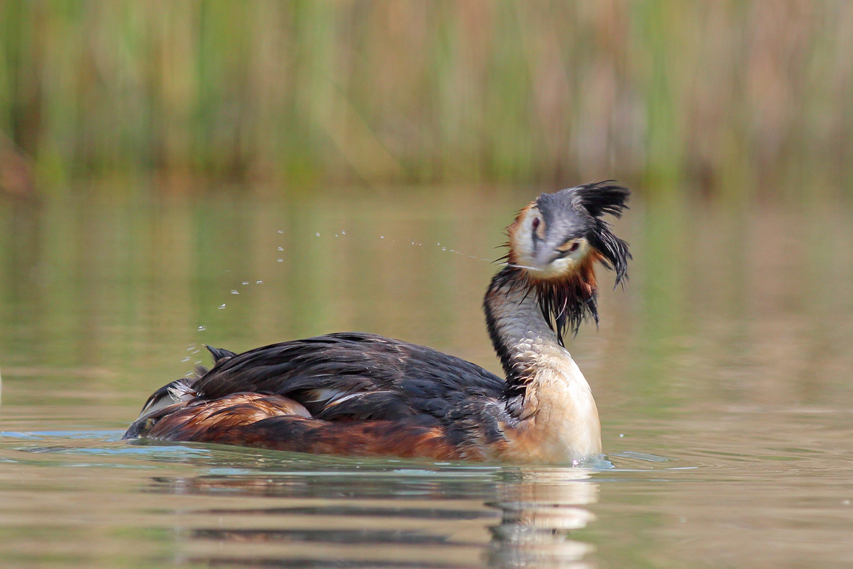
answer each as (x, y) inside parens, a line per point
(336, 234)
(195, 351)
(281, 248)
(186, 359)
(280, 261)
(621, 435)
(191, 347)
(444, 248)
(234, 292)
(198, 363)
(201, 328)
(281, 231)
(222, 307)
(259, 282)
(343, 232)
(316, 234)
(245, 282)
(382, 237)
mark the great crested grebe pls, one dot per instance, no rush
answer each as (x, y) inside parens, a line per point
(366, 395)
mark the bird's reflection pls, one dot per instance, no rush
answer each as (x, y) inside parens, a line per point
(538, 514)
(424, 518)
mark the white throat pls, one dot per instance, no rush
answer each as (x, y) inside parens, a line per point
(560, 420)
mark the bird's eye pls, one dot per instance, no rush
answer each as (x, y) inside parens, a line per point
(538, 227)
(575, 246)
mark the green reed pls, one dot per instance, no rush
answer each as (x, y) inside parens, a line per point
(667, 95)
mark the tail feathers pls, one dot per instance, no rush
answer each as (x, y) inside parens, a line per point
(178, 391)
(219, 354)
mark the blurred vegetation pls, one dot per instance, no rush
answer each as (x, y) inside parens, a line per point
(717, 96)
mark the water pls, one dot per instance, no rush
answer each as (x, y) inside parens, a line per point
(721, 374)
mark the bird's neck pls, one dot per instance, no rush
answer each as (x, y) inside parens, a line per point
(545, 389)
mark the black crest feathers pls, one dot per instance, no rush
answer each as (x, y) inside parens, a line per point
(595, 201)
(601, 198)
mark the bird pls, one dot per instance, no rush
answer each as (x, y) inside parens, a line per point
(361, 394)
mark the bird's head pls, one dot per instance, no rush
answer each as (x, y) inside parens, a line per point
(555, 242)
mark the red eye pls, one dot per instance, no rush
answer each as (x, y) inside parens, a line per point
(575, 246)
(535, 223)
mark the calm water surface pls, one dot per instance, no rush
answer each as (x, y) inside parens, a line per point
(722, 374)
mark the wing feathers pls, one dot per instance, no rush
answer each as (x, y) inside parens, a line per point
(341, 393)
(360, 376)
